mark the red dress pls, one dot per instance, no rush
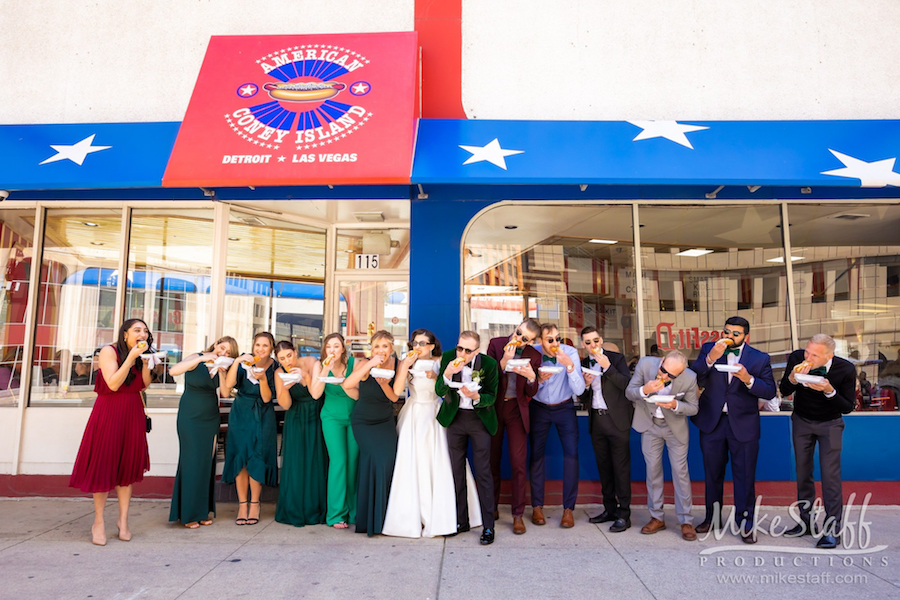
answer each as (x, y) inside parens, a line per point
(113, 450)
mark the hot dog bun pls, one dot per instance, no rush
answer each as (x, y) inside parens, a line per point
(315, 91)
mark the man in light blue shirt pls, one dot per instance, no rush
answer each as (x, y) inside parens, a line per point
(560, 379)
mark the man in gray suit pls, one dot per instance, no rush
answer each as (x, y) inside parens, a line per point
(665, 423)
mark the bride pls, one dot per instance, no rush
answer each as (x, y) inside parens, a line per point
(422, 500)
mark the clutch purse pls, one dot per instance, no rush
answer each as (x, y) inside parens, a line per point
(149, 423)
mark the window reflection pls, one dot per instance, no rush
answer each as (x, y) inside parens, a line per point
(846, 263)
(76, 304)
(16, 235)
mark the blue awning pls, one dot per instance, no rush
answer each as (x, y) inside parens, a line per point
(85, 156)
(766, 153)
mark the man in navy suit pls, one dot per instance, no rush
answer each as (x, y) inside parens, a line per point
(728, 420)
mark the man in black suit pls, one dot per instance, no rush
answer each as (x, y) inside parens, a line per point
(817, 418)
(609, 424)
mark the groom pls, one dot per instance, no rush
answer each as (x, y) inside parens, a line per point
(468, 414)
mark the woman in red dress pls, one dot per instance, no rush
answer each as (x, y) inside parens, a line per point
(113, 452)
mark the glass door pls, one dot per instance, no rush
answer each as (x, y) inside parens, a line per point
(367, 304)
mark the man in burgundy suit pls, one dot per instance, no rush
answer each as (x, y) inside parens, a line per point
(515, 389)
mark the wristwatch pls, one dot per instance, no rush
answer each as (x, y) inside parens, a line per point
(570, 368)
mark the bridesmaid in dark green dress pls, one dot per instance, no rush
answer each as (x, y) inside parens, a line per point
(376, 433)
(193, 497)
(301, 491)
(251, 455)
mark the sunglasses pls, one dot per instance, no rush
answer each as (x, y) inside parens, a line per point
(558, 338)
(466, 350)
(419, 344)
(730, 332)
(591, 342)
(525, 340)
(662, 370)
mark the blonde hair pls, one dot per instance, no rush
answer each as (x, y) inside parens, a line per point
(232, 345)
(382, 334)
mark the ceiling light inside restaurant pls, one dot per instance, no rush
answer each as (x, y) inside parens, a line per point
(369, 216)
(780, 259)
(601, 241)
(694, 252)
(89, 224)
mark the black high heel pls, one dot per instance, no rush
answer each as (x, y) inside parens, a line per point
(251, 520)
(241, 520)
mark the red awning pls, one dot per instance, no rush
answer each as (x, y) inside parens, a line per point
(300, 110)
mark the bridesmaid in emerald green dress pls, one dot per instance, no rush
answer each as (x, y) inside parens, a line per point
(343, 453)
(193, 497)
(301, 491)
(376, 433)
(251, 454)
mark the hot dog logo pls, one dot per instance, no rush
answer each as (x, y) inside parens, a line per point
(304, 87)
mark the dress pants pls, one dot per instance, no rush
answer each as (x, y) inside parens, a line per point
(829, 435)
(343, 464)
(613, 462)
(510, 420)
(467, 427)
(717, 445)
(542, 417)
(652, 442)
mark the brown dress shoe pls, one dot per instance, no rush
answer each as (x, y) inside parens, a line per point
(688, 533)
(568, 519)
(518, 526)
(537, 516)
(653, 526)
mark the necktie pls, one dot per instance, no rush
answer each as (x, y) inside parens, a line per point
(819, 371)
(550, 358)
(734, 351)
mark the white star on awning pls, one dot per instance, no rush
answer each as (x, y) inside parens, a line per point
(492, 152)
(671, 130)
(877, 174)
(76, 152)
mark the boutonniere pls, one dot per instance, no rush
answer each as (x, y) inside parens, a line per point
(477, 376)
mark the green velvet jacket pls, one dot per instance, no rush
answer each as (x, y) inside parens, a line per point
(487, 371)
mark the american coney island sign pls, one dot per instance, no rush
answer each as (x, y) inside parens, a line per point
(300, 110)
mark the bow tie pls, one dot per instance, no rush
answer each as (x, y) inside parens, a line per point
(820, 371)
(593, 362)
(519, 350)
(550, 358)
(734, 351)
(667, 383)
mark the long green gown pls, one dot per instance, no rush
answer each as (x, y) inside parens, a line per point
(193, 497)
(252, 432)
(343, 453)
(301, 491)
(376, 433)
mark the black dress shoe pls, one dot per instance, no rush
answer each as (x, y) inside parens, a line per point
(459, 529)
(799, 530)
(620, 525)
(703, 527)
(828, 542)
(487, 537)
(748, 537)
(603, 517)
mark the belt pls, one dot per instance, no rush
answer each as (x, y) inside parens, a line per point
(660, 422)
(508, 399)
(600, 411)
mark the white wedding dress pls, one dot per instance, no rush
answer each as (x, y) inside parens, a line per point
(422, 500)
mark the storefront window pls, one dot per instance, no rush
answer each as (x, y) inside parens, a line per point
(846, 264)
(568, 265)
(169, 262)
(703, 264)
(275, 279)
(76, 304)
(355, 248)
(370, 306)
(16, 234)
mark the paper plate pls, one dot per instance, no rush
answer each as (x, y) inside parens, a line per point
(556, 369)
(591, 372)
(423, 365)
(331, 379)
(727, 368)
(382, 373)
(806, 378)
(659, 398)
(289, 377)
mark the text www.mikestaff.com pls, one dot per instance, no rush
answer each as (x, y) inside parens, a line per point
(824, 578)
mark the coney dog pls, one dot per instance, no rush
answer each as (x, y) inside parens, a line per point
(410, 354)
(141, 344)
(727, 341)
(513, 344)
(251, 362)
(802, 366)
(458, 361)
(328, 360)
(304, 92)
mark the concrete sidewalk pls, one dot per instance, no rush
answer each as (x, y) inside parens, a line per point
(45, 552)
